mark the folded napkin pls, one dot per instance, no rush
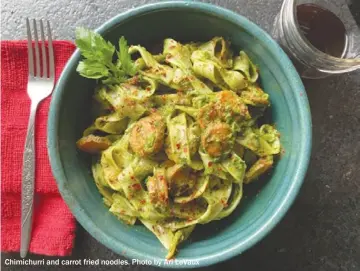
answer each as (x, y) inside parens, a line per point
(53, 230)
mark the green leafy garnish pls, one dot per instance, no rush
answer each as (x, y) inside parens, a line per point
(98, 58)
(124, 58)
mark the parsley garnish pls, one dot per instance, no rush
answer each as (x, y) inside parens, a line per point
(98, 58)
(124, 58)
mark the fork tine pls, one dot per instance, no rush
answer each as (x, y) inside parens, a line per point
(43, 51)
(51, 52)
(37, 52)
(30, 49)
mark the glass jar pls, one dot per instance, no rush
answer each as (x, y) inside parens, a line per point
(310, 61)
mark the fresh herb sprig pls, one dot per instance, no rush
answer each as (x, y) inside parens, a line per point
(98, 54)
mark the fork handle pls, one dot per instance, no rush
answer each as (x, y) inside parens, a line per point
(28, 183)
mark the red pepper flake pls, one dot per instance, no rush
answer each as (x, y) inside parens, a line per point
(132, 178)
(142, 201)
(185, 150)
(130, 103)
(178, 146)
(148, 88)
(224, 203)
(161, 177)
(190, 219)
(210, 164)
(171, 46)
(134, 80)
(162, 196)
(136, 186)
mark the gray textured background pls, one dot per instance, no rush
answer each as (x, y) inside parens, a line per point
(321, 232)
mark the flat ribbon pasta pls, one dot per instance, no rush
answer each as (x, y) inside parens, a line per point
(174, 143)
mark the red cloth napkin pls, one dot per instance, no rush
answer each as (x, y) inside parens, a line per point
(53, 229)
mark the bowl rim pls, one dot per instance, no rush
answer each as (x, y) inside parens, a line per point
(305, 121)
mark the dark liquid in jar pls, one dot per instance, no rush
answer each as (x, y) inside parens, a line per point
(322, 28)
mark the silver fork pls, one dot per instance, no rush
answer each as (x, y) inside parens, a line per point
(40, 86)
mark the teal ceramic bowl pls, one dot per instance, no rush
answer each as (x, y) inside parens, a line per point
(265, 202)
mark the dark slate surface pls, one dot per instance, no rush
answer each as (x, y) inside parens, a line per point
(321, 232)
